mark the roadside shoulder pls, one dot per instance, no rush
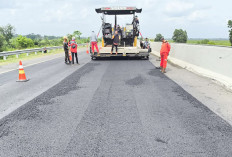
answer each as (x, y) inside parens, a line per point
(214, 96)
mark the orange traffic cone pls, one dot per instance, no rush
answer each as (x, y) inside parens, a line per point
(22, 76)
(70, 56)
(87, 51)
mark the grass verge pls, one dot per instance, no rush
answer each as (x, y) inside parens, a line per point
(210, 42)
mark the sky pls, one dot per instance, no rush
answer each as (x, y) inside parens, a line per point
(200, 18)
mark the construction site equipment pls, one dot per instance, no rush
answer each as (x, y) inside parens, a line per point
(129, 34)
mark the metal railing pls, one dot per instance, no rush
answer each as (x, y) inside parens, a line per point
(27, 51)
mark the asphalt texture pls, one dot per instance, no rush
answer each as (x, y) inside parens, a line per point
(42, 77)
(115, 108)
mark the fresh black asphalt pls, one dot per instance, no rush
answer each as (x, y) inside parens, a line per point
(115, 108)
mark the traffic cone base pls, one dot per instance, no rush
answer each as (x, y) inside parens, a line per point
(23, 80)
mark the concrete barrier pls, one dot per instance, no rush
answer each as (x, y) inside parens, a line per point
(211, 61)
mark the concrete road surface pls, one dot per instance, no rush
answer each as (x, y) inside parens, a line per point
(114, 108)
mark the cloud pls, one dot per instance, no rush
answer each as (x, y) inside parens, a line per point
(59, 17)
(185, 11)
(179, 8)
(7, 4)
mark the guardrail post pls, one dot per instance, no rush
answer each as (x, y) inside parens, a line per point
(27, 54)
(17, 56)
(35, 53)
(4, 57)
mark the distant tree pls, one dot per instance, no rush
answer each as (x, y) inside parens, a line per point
(37, 41)
(77, 34)
(158, 37)
(69, 36)
(8, 32)
(56, 42)
(180, 36)
(34, 36)
(51, 37)
(43, 43)
(24, 42)
(2, 42)
(230, 31)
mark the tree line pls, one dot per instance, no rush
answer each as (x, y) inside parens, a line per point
(9, 40)
(181, 36)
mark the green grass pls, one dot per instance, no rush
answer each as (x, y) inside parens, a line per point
(211, 42)
(14, 59)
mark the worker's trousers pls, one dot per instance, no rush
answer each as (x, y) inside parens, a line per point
(74, 54)
(164, 57)
(94, 44)
(67, 57)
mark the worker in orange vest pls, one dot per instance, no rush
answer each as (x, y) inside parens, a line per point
(164, 53)
(73, 46)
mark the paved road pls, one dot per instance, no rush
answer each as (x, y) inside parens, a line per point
(115, 108)
(42, 77)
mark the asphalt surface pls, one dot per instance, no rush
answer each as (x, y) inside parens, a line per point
(42, 77)
(115, 108)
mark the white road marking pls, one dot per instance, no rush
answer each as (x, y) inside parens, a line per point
(29, 65)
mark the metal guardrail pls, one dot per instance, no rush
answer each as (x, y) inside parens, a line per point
(27, 51)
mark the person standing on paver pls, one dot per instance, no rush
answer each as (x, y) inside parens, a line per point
(94, 42)
(65, 44)
(116, 39)
(73, 46)
(164, 52)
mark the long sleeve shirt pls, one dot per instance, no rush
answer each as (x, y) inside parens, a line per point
(93, 37)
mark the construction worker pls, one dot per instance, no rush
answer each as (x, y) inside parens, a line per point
(146, 44)
(141, 43)
(94, 42)
(136, 20)
(66, 45)
(164, 52)
(116, 39)
(73, 47)
(119, 30)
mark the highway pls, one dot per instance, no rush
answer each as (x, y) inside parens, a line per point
(105, 108)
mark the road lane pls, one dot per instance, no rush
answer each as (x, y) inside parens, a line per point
(115, 108)
(42, 77)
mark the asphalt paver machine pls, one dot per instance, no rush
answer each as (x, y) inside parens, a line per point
(128, 46)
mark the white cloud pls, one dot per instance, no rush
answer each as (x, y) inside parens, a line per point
(185, 11)
(197, 16)
(59, 17)
(178, 8)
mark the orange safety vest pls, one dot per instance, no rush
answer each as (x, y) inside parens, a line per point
(165, 48)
